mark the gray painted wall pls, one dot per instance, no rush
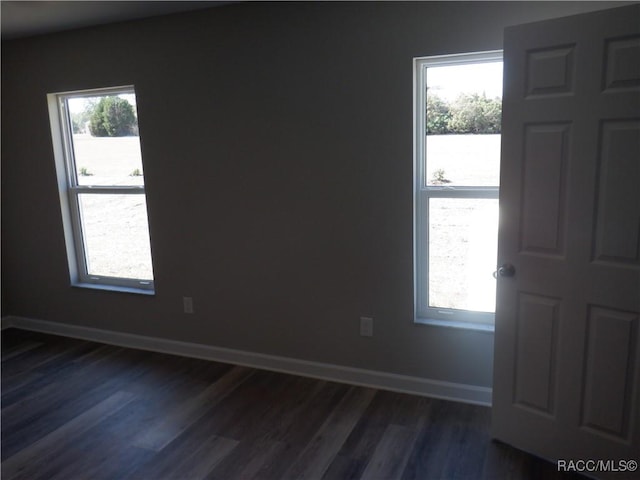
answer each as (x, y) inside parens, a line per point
(277, 145)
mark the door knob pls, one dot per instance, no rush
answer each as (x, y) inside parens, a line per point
(505, 270)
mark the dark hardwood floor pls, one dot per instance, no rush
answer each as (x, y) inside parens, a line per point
(73, 409)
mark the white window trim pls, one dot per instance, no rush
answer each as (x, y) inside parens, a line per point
(70, 190)
(423, 192)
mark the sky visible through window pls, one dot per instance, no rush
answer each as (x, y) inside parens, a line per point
(449, 81)
(78, 104)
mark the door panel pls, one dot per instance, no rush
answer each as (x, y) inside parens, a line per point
(623, 64)
(617, 228)
(546, 152)
(567, 341)
(550, 71)
(609, 359)
(536, 354)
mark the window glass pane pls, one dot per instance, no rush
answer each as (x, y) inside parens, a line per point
(463, 120)
(463, 245)
(116, 235)
(106, 144)
(463, 160)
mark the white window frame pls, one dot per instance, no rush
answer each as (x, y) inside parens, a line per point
(424, 192)
(70, 191)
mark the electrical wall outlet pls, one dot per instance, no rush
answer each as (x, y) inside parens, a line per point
(187, 303)
(366, 326)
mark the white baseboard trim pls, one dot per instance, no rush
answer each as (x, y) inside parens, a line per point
(325, 371)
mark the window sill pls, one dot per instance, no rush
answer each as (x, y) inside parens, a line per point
(115, 288)
(476, 327)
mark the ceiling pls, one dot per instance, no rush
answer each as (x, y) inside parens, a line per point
(27, 18)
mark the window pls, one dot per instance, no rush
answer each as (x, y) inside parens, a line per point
(457, 120)
(100, 177)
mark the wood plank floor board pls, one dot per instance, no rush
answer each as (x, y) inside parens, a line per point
(40, 356)
(448, 445)
(228, 418)
(430, 448)
(70, 399)
(344, 467)
(470, 452)
(174, 377)
(76, 393)
(13, 390)
(311, 414)
(92, 457)
(44, 387)
(221, 418)
(268, 443)
(9, 353)
(43, 374)
(162, 463)
(157, 405)
(13, 339)
(140, 414)
(277, 400)
(259, 395)
(184, 444)
(406, 410)
(466, 455)
(162, 431)
(295, 412)
(203, 461)
(505, 462)
(194, 464)
(390, 456)
(52, 444)
(94, 454)
(282, 411)
(15, 369)
(78, 410)
(295, 418)
(36, 380)
(250, 459)
(106, 450)
(385, 408)
(103, 467)
(279, 462)
(223, 421)
(314, 461)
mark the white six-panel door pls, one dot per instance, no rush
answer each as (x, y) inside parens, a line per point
(567, 341)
